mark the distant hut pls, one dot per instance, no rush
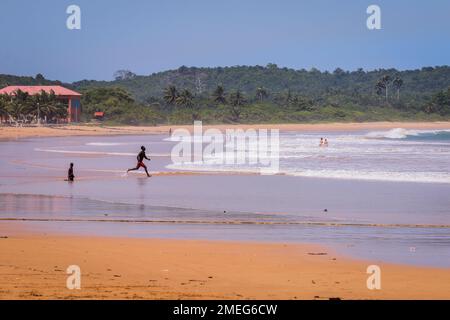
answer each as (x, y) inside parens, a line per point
(99, 115)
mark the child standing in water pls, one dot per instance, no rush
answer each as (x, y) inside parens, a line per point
(70, 175)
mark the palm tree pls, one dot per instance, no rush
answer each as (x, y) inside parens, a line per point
(237, 100)
(170, 95)
(4, 101)
(61, 111)
(379, 87)
(38, 101)
(185, 99)
(261, 93)
(385, 84)
(398, 83)
(48, 106)
(20, 105)
(288, 96)
(219, 95)
(17, 111)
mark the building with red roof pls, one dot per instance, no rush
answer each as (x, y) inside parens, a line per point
(68, 97)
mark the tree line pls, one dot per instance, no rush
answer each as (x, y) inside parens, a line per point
(229, 106)
(118, 105)
(183, 105)
(412, 88)
(234, 101)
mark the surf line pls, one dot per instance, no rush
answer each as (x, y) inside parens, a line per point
(98, 153)
(156, 173)
(236, 222)
(101, 153)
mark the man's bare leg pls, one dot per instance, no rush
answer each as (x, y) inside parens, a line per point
(132, 169)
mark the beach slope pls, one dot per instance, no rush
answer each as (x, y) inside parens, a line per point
(34, 267)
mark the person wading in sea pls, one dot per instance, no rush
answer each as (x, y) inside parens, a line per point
(70, 175)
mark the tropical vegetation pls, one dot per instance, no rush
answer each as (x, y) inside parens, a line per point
(21, 107)
(259, 94)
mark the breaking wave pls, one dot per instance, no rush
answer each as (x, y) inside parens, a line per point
(400, 133)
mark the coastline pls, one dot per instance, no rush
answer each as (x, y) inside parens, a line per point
(8, 133)
(34, 267)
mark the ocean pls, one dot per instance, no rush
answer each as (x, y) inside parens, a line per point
(394, 155)
(378, 195)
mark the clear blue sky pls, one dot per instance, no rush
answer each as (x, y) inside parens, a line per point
(151, 36)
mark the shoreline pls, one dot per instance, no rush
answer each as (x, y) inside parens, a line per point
(12, 133)
(34, 267)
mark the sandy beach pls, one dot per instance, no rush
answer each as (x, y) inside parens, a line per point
(98, 130)
(33, 266)
(246, 246)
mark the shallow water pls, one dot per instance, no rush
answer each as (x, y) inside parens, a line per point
(376, 219)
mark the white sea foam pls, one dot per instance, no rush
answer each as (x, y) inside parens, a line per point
(400, 133)
(85, 152)
(192, 166)
(107, 144)
(422, 177)
(100, 153)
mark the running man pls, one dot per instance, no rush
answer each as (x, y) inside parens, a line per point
(140, 158)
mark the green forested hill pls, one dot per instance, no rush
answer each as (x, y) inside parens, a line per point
(416, 83)
(10, 80)
(257, 94)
